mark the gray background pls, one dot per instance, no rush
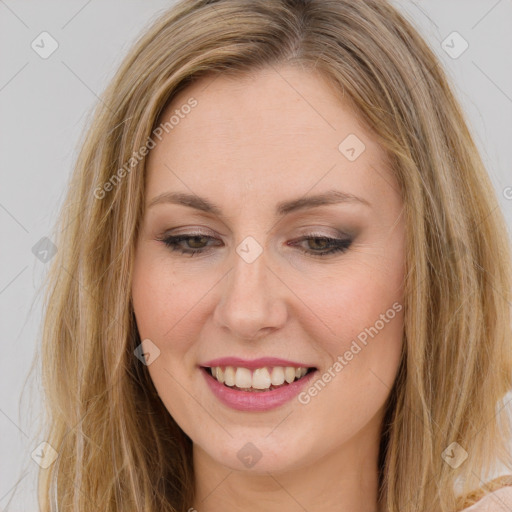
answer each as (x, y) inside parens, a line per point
(45, 103)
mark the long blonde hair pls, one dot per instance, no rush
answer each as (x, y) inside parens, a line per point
(101, 406)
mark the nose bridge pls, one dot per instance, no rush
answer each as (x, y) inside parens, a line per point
(249, 303)
(250, 259)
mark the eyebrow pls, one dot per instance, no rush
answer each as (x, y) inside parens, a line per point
(283, 208)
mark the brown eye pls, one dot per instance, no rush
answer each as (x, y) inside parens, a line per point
(320, 243)
(195, 244)
(197, 241)
(323, 246)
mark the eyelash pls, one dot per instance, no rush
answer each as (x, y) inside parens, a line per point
(339, 245)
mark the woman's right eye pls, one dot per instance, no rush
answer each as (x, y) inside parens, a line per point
(173, 242)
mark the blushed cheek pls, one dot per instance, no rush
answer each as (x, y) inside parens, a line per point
(151, 300)
(167, 310)
(361, 318)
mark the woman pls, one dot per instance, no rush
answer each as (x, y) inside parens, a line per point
(282, 282)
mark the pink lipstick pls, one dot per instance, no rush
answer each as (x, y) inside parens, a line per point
(256, 385)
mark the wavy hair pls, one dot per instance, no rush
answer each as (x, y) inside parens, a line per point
(456, 368)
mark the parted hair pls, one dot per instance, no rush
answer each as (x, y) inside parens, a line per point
(456, 366)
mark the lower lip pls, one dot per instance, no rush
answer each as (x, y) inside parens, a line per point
(256, 400)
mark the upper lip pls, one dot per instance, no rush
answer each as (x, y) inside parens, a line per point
(254, 363)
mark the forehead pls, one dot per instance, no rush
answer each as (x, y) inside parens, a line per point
(277, 132)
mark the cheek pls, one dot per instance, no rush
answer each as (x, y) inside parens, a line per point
(164, 309)
(172, 305)
(162, 300)
(346, 306)
(359, 324)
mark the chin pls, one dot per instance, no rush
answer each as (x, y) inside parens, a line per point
(258, 454)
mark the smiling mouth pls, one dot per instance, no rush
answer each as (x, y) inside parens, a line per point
(259, 379)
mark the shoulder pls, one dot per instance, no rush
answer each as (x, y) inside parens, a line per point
(498, 501)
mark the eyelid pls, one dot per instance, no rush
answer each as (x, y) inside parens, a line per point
(193, 231)
(323, 232)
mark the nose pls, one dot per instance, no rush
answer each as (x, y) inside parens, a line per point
(252, 304)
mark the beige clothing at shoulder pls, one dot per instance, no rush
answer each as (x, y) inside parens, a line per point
(497, 501)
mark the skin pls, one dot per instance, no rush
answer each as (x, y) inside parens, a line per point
(249, 144)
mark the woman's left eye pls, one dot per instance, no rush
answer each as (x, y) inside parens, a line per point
(197, 244)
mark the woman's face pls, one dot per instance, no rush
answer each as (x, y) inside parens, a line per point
(251, 173)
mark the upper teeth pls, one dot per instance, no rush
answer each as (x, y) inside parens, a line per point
(261, 378)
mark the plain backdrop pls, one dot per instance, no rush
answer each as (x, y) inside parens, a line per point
(44, 104)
